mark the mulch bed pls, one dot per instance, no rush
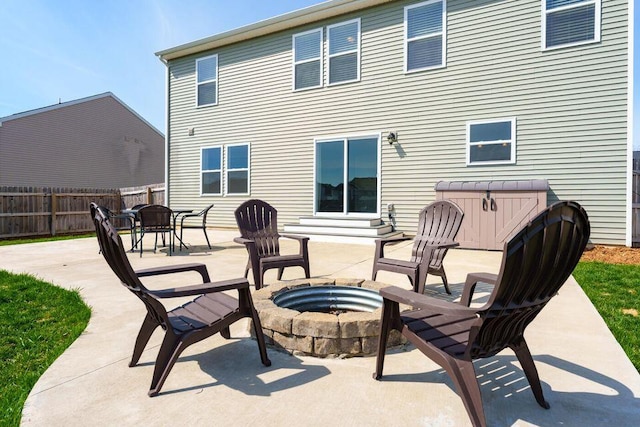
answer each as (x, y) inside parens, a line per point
(612, 255)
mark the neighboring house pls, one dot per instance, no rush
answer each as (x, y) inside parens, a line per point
(392, 97)
(94, 142)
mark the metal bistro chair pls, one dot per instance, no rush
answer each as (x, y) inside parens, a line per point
(155, 219)
(211, 311)
(536, 262)
(202, 224)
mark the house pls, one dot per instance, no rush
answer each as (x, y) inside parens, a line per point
(357, 110)
(94, 142)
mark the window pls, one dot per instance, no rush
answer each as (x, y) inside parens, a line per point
(238, 169)
(307, 60)
(570, 22)
(425, 35)
(491, 141)
(344, 52)
(211, 170)
(207, 81)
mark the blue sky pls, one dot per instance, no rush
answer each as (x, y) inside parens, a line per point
(68, 49)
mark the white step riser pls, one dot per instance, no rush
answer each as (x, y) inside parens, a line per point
(340, 231)
(336, 222)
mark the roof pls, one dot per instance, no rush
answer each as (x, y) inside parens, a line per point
(324, 10)
(75, 102)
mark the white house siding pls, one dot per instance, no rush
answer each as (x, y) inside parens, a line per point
(570, 105)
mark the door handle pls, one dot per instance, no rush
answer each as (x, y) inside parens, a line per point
(484, 205)
(494, 206)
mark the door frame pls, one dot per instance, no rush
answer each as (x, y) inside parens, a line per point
(344, 137)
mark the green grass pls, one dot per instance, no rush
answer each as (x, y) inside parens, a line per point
(38, 321)
(614, 290)
(8, 242)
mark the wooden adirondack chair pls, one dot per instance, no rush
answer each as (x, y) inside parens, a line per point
(210, 312)
(258, 224)
(437, 228)
(536, 263)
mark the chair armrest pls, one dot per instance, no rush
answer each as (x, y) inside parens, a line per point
(471, 282)
(380, 244)
(181, 268)
(295, 237)
(243, 241)
(204, 288)
(422, 301)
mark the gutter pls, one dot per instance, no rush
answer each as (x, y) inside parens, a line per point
(324, 10)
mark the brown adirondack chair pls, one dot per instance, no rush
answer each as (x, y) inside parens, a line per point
(210, 312)
(258, 224)
(437, 229)
(536, 263)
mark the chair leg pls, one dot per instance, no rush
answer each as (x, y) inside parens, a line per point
(225, 333)
(280, 272)
(528, 366)
(374, 273)
(205, 236)
(445, 282)
(169, 351)
(148, 326)
(464, 377)
(257, 329)
(388, 308)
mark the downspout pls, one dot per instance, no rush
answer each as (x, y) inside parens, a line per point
(630, 115)
(167, 134)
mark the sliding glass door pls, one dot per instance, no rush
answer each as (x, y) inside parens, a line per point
(347, 176)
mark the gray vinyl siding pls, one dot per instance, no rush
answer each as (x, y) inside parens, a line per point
(570, 105)
(98, 143)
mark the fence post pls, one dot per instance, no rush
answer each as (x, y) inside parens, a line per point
(53, 213)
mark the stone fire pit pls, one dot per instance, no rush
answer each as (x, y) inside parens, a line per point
(334, 334)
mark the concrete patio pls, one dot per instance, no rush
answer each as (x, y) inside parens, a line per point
(586, 377)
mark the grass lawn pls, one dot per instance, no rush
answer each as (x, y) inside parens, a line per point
(614, 290)
(38, 321)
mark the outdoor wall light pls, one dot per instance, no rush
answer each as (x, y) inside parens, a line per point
(392, 137)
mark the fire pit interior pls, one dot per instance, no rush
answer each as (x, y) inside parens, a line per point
(322, 317)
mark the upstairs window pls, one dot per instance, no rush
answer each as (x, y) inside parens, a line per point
(344, 52)
(425, 35)
(207, 81)
(570, 22)
(491, 141)
(211, 170)
(238, 169)
(307, 59)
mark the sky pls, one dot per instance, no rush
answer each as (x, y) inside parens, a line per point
(63, 50)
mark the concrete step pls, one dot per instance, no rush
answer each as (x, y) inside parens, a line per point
(342, 230)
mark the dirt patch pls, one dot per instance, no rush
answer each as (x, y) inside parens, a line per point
(612, 255)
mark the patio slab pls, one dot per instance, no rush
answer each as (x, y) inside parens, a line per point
(586, 377)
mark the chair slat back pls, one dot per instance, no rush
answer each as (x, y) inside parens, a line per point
(154, 217)
(439, 220)
(114, 254)
(536, 263)
(258, 220)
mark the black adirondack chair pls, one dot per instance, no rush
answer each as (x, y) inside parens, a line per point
(212, 310)
(258, 224)
(536, 263)
(437, 229)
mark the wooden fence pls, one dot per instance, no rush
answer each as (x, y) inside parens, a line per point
(46, 211)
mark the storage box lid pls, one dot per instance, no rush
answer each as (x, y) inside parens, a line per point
(523, 185)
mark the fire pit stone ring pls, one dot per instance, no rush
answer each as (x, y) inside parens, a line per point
(349, 328)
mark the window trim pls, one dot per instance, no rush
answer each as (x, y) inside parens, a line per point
(227, 169)
(294, 62)
(202, 171)
(512, 141)
(207, 81)
(357, 50)
(407, 40)
(596, 30)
